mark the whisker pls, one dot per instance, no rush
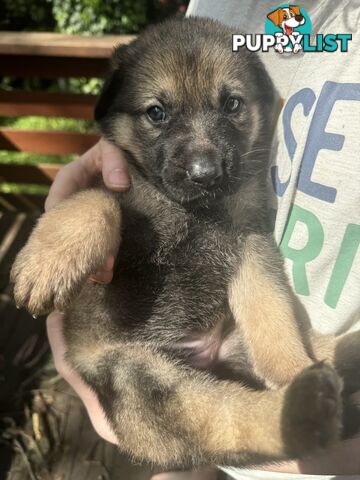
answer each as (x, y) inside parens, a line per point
(256, 150)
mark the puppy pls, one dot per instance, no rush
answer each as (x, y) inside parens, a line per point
(287, 19)
(193, 349)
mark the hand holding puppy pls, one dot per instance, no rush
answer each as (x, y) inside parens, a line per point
(105, 158)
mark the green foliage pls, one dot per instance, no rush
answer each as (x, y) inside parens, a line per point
(96, 17)
(84, 85)
(27, 188)
(85, 17)
(25, 158)
(88, 17)
(48, 123)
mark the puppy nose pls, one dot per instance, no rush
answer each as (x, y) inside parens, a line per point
(204, 172)
(298, 18)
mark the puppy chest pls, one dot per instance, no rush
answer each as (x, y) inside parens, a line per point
(189, 285)
(185, 290)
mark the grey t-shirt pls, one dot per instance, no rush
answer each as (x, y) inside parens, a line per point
(315, 166)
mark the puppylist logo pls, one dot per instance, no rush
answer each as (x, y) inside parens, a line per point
(288, 24)
(287, 30)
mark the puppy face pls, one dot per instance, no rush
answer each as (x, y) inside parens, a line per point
(193, 116)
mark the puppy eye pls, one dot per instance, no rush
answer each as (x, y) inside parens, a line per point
(156, 114)
(233, 105)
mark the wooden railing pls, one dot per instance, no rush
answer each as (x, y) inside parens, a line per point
(47, 55)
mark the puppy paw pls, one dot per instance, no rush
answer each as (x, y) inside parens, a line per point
(68, 244)
(312, 415)
(45, 279)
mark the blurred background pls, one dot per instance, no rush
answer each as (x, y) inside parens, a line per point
(53, 56)
(73, 17)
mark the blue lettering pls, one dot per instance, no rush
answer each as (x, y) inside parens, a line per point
(306, 97)
(319, 139)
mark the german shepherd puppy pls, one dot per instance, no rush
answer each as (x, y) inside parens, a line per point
(193, 349)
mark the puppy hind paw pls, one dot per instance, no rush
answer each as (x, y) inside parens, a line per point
(312, 414)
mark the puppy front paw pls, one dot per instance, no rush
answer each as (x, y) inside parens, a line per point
(69, 243)
(312, 415)
(45, 279)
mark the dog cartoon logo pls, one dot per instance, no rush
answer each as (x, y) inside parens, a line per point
(288, 19)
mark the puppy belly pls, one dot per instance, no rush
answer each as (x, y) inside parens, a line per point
(201, 350)
(218, 349)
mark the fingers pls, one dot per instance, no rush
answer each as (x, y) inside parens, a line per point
(69, 180)
(54, 325)
(102, 157)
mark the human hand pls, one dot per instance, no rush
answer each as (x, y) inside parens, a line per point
(102, 158)
(54, 325)
(106, 159)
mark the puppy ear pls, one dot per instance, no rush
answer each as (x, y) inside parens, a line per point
(295, 9)
(111, 85)
(275, 16)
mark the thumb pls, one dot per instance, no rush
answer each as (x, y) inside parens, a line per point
(114, 167)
